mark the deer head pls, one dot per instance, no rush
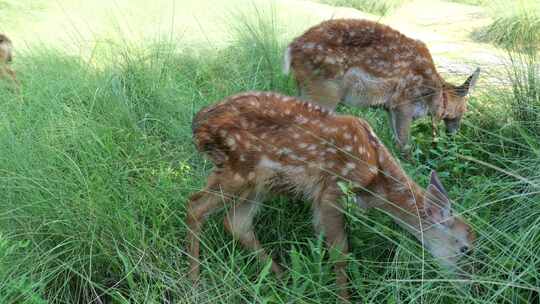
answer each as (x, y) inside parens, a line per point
(455, 101)
(445, 235)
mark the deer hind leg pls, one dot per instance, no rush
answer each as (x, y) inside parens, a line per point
(239, 223)
(325, 93)
(200, 205)
(329, 220)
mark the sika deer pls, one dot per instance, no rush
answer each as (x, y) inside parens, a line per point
(6, 56)
(364, 63)
(266, 143)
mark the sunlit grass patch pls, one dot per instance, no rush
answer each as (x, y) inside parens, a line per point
(471, 2)
(377, 7)
(516, 25)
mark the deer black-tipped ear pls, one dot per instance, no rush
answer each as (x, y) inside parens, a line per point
(437, 205)
(469, 84)
(435, 181)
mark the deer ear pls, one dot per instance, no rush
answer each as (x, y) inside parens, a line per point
(469, 84)
(437, 205)
(435, 181)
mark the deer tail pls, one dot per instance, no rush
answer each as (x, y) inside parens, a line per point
(207, 138)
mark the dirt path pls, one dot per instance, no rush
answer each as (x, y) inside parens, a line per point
(447, 27)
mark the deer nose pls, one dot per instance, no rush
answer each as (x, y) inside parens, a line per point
(465, 250)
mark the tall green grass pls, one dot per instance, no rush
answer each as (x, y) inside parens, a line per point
(96, 164)
(516, 25)
(524, 98)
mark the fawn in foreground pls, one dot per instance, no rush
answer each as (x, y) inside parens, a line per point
(266, 143)
(364, 63)
(6, 56)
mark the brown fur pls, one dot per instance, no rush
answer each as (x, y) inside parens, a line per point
(6, 57)
(267, 143)
(365, 63)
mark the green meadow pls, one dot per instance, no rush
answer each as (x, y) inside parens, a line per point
(97, 162)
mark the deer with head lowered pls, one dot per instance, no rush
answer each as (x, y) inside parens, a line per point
(364, 63)
(264, 143)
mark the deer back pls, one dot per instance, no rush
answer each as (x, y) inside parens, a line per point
(368, 52)
(300, 143)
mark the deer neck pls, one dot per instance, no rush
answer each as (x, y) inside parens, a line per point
(393, 192)
(405, 204)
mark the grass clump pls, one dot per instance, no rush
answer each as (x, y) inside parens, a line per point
(515, 26)
(524, 74)
(471, 2)
(377, 7)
